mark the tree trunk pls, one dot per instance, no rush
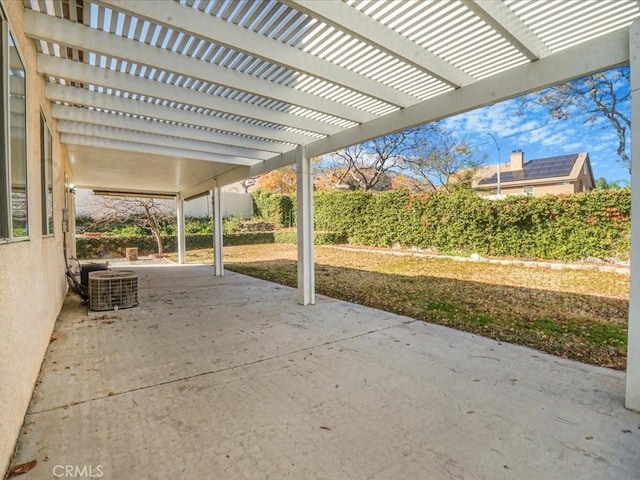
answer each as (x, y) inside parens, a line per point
(158, 242)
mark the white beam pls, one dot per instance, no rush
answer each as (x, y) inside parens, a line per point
(80, 96)
(359, 25)
(632, 399)
(218, 256)
(199, 188)
(304, 226)
(72, 139)
(239, 39)
(261, 148)
(594, 56)
(81, 72)
(589, 57)
(502, 19)
(181, 236)
(100, 131)
(70, 34)
(239, 173)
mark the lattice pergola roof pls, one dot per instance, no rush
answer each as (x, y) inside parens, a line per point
(165, 96)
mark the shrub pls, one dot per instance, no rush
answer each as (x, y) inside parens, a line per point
(567, 227)
(230, 224)
(109, 246)
(195, 225)
(275, 208)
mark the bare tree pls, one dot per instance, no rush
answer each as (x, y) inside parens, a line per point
(365, 166)
(147, 213)
(597, 96)
(441, 159)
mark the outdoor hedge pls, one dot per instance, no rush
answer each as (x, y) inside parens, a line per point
(106, 246)
(275, 208)
(592, 224)
(566, 227)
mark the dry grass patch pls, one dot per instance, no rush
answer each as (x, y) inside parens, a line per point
(572, 313)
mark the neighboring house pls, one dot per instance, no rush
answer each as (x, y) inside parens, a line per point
(543, 176)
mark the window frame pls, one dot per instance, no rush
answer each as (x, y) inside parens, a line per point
(7, 230)
(5, 173)
(46, 163)
(528, 190)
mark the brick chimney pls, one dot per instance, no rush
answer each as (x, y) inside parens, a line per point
(517, 160)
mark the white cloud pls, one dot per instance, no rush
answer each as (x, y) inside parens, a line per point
(533, 130)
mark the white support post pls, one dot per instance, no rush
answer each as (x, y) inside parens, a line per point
(217, 231)
(181, 236)
(306, 272)
(632, 399)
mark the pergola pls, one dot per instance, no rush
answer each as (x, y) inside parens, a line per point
(183, 97)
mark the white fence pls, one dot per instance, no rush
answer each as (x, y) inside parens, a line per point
(232, 204)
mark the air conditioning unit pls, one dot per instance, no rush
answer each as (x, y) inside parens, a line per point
(113, 290)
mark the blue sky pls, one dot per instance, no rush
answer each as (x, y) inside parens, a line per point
(539, 135)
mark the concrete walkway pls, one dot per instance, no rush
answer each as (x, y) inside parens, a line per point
(228, 378)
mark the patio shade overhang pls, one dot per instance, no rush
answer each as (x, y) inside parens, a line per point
(179, 96)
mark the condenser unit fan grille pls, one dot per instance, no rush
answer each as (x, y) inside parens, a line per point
(109, 290)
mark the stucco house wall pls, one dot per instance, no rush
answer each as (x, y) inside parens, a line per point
(540, 189)
(585, 180)
(32, 272)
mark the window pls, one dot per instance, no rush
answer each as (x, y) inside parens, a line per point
(14, 213)
(528, 190)
(47, 177)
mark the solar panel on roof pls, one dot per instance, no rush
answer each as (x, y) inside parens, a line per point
(550, 167)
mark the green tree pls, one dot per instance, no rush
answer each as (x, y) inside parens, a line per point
(604, 184)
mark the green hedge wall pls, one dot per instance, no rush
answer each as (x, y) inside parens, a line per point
(107, 246)
(275, 208)
(566, 227)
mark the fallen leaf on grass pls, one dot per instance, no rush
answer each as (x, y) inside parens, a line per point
(22, 468)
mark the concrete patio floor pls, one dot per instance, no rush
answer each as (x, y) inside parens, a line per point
(228, 378)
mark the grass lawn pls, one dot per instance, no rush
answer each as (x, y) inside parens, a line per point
(571, 313)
